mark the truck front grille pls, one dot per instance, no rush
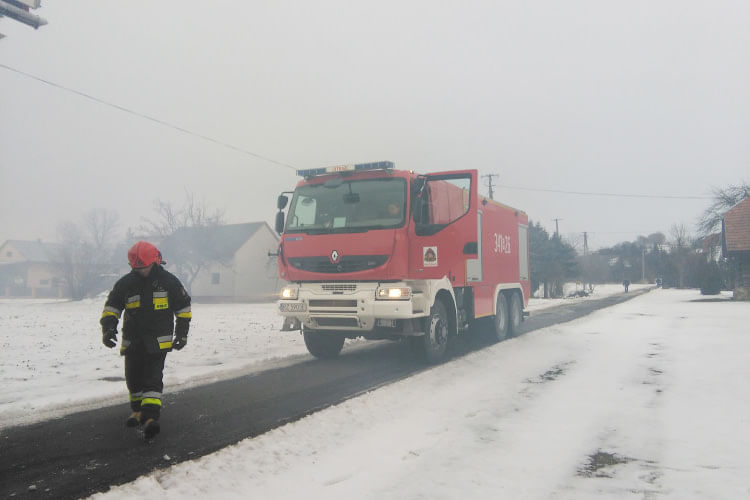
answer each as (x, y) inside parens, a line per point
(345, 322)
(347, 263)
(333, 303)
(338, 287)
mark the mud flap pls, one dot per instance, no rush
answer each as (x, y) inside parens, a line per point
(291, 324)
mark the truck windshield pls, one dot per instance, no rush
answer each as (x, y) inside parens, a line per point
(348, 206)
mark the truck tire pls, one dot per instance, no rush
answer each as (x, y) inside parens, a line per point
(500, 321)
(431, 347)
(323, 345)
(515, 314)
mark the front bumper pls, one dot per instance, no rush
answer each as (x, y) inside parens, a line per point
(348, 307)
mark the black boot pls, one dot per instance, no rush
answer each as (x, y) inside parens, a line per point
(151, 429)
(134, 420)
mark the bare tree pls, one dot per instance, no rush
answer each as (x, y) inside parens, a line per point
(86, 251)
(186, 235)
(101, 224)
(680, 249)
(724, 199)
(656, 239)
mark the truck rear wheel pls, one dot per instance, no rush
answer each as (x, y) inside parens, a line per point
(500, 321)
(323, 345)
(432, 345)
(515, 314)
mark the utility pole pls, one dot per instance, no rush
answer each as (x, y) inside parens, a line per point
(489, 183)
(643, 264)
(557, 227)
(585, 253)
(585, 243)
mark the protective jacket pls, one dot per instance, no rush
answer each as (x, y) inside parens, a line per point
(150, 305)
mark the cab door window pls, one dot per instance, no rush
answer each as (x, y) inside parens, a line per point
(439, 201)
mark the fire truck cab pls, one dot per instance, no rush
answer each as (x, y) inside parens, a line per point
(371, 251)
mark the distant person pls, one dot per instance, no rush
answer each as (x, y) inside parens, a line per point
(151, 297)
(626, 284)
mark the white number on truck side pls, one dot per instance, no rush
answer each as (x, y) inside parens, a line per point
(502, 243)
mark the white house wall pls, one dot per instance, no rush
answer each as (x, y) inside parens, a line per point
(257, 273)
(9, 253)
(251, 276)
(204, 287)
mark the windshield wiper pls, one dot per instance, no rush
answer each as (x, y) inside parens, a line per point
(337, 230)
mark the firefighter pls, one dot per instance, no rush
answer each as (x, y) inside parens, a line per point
(393, 209)
(151, 298)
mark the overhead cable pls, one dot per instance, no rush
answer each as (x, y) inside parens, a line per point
(147, 117)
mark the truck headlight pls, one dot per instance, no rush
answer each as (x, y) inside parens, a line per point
(289, 293)
(393, 293)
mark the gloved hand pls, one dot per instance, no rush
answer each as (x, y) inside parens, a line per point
(109, 338)
(179, 343)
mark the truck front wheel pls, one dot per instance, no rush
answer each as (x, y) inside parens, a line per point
(323, 345)
(432, 346)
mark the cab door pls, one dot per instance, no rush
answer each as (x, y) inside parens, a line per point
(443, 229)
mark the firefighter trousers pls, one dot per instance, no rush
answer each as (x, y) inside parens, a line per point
(144, 378)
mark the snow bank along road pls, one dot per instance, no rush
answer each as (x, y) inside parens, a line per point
(85, 452)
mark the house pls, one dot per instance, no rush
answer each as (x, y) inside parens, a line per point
(237, 266)
(28, 269)
(735, 230)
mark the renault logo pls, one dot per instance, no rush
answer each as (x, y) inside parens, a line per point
(335, 256)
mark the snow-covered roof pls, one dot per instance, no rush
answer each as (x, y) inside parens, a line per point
(226, 240)
(33, 251)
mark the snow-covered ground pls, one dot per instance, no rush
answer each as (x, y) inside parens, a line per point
(646, 399)
(594, 292)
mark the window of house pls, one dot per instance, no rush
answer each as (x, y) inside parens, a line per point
(9, 254)
(215, 278)
(44, 282)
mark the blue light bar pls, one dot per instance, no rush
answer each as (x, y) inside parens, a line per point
(309, 172)
(377, 165)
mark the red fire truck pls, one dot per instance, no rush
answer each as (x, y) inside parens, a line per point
(371, 251)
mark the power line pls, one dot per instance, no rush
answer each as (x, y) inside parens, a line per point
(146, 117)
(619, 195)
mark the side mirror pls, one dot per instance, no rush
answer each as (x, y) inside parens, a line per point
(281, 202)
(417, 209)
(418, 185)
(280, 221)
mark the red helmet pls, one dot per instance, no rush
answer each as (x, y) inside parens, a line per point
(143, 254)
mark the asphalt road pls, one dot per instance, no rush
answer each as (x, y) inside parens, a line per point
(87, 452)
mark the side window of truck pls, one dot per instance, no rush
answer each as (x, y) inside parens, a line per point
(441, 202)
(304, 212)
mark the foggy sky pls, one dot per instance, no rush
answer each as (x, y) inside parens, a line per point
(637, 97)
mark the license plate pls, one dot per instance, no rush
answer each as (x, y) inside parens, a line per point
(292, 307)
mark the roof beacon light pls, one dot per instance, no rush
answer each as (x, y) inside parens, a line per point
(376, 165)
